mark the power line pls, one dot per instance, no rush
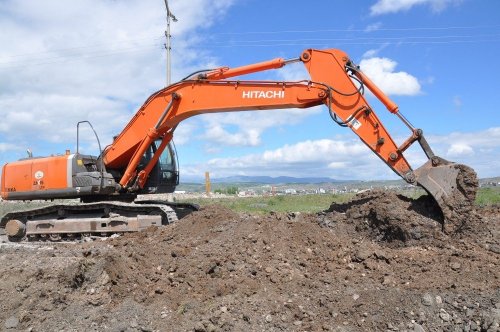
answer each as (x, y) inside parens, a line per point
(82, 47)
(354, 38)
(358, 30)
(257, 32)
(363, 43)
(45, 61)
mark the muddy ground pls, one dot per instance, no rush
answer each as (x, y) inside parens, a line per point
(378, 263)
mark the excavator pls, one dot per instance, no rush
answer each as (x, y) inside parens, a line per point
(142, 158)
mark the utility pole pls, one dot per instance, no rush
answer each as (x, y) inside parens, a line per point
(168, 46)
(208, 188)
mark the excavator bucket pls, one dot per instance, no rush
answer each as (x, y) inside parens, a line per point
(454, 188)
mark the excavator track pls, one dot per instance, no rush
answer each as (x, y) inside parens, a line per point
(75, 221)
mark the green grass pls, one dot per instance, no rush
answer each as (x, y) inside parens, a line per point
(315, 203)
(6, 207)
(488, 196)
(292, 203)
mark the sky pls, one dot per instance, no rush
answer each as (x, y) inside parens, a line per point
(98, 60)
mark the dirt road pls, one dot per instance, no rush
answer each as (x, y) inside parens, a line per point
(378, 263)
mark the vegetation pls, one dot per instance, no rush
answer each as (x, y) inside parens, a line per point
(229, 190)
(488, 196)
(315, 203)
(282, 203)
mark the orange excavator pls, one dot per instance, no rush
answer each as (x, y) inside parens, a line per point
(142, 158)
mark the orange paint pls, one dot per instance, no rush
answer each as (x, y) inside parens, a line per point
(34, 174)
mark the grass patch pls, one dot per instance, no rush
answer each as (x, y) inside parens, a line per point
(288, 203)
(488, 196)
(10, 206)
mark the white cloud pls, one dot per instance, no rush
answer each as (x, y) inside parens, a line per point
(479, 149)
(346, 157)
(338, 164)
(342, 158)
(370, 53)
(7, 146)
(373, 27)
(91, 60)
(374, 52)
(184, 132)
(244, 137)
(382, 72)
(248, 126)
(394, 6)
(461, 149)
(96, 60)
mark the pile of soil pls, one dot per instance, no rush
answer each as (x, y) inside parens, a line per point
(379, 262)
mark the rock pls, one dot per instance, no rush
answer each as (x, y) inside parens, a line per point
(455, 266)
(439, 300)
(494, 248)
(198, 327)
(269, 318)
(495, 313)
(418, 328)
(427, 300)
(382, 255)
(444, 315)
(361, 255)
(388, 280)
(11, 322)
(370, 264)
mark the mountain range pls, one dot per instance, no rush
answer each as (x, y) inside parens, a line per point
(265, 180)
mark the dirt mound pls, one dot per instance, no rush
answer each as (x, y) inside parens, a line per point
(390, 217)
(379, 262)
(394, 220)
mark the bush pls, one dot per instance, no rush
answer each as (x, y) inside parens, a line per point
(232, 190)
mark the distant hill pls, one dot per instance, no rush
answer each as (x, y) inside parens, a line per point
(268, 180)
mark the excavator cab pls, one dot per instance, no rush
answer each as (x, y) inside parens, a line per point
(164, 176)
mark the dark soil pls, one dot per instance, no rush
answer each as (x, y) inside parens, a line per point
(458, 207)
(380, 262)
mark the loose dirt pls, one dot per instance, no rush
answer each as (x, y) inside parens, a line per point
(378, 263)
(458, 207)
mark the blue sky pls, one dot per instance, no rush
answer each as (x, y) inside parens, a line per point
(66, 61)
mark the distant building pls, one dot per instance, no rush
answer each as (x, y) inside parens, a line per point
(320, 191)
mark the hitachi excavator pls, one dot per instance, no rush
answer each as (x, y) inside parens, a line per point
(142, 158)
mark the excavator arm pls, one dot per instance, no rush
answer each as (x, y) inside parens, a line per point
(331, 84)
(335, 81)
